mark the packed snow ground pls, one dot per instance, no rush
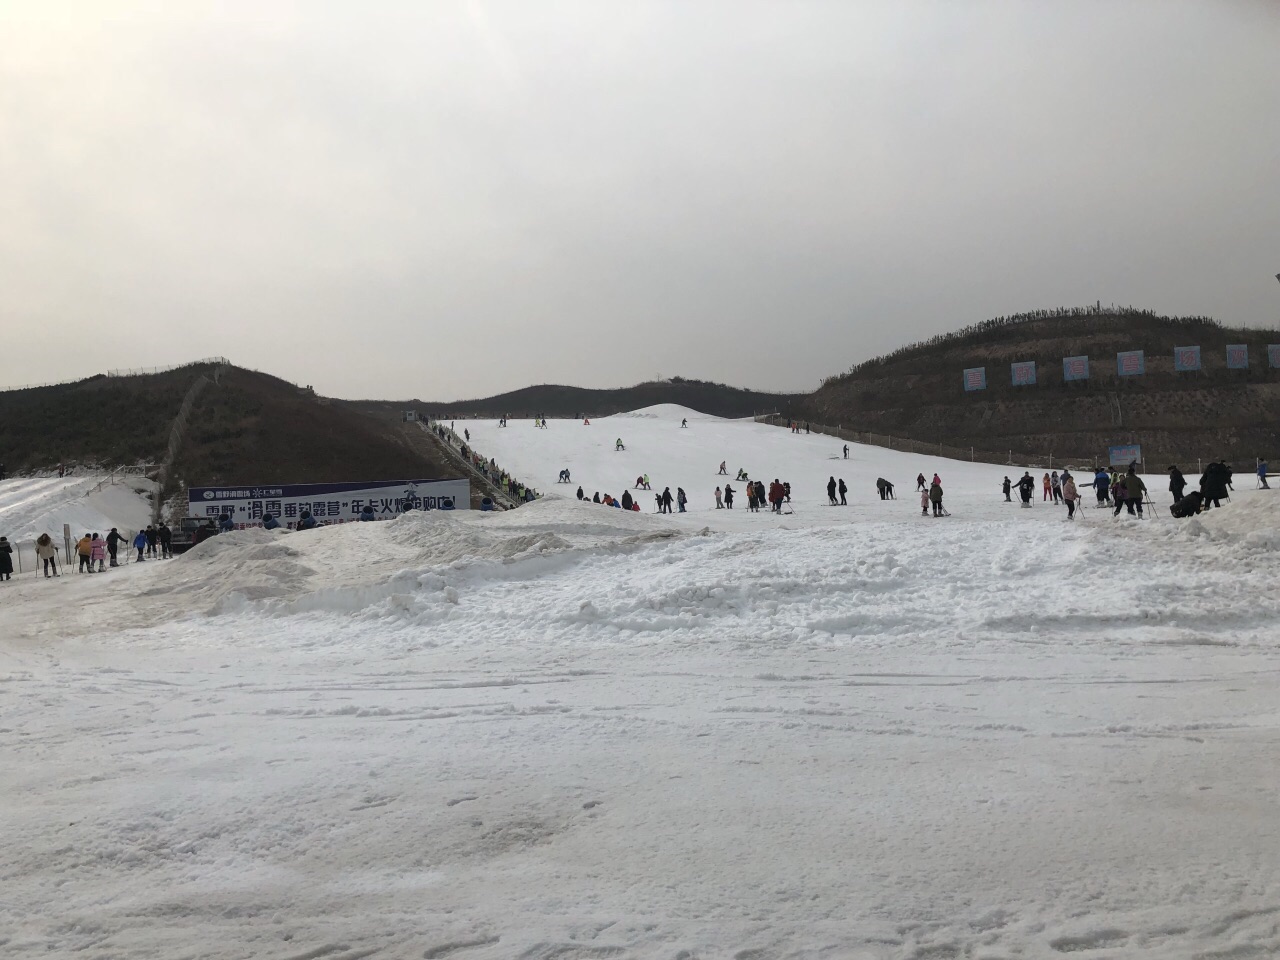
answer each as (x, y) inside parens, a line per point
(570, 732)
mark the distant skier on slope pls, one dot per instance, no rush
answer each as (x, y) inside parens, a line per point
(617, 445)
(684, 423)
(723, 471)
(920, 483)
(846, 451)
(885, 488)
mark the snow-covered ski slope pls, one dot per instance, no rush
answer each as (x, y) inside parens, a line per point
(567, 732)
(36, 505)
(690, 457)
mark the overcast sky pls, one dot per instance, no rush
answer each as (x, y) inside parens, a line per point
(450, 199)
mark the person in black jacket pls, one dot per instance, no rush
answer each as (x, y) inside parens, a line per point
(113, 544)
(842, 489)
(626, 500)
(1213, 484)
(831, 491)
(1177, 483)
(1026, 487)
(165, 535)
(1006, 487)
(666, 499)
(6, 559)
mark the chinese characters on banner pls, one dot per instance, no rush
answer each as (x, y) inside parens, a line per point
(1075, 368)
(1130, 363)
(975, 378)
(327, 502)
(1237, 356)
(1186, 358)
(1123, 456)
(1024, 374)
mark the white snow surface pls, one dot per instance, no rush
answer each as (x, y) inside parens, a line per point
(32, 506)
(569, 732)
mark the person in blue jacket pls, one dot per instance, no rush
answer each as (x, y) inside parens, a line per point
(306, 521)
(367, 512)
(269, 522)
(1262, 473)
(225, 523)
(1102, 484)
(140, 544)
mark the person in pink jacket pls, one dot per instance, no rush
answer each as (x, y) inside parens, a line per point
(97, 553)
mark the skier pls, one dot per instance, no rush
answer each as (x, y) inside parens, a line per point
(1262, 473)
(1026, 486)
(786, 491)
(1137, 490)
(1055, 483)
(1102, 484)
(728, 497)
(665, 497)
(1047, 486)
(467, 433)
(152, 539)
(775, 496)
(920, 484)
(684, 423)
(646, 482)
(1213, 484)
(97, 554)
(681, 499)
(617, 445)
(935, 496)
(842, 490)
(166, 540)
(1070, 495)
(719, 500)
(831, 491)
(1177, 483)
(1188, 506)
(113, 545)
(579, 493)
(84, 549)
(1006, 487)
(47, 554)
(723, 471)
(846, 451)
(924, 502)
(6, 559)
(742, 474)
(885, 488)
(140, 544)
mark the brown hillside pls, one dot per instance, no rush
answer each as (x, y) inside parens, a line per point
(918, 392)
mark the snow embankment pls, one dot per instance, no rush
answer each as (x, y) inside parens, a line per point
(30, 507)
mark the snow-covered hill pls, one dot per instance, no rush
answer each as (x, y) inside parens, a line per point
(565, 731)
(32, 506)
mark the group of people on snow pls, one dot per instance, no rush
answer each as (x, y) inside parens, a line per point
(93, 551)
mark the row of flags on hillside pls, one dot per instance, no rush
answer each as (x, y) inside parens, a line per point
(1129, 363)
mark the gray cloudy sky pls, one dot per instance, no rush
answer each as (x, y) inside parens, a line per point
(450, 199)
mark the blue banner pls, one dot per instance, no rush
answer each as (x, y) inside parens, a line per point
(975, 378)
(1186, 358)
(1024, 373)
(1273, 354)
(1130, 363)
(1124, 455)
(1237, 356)
(1075, 368)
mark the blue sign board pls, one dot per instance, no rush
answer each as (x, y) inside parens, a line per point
(1125, 455)
(1130, 363)
(1024, 374)
(975, 378)
(1186, 358)
(1075, 368)
(1237, 356)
